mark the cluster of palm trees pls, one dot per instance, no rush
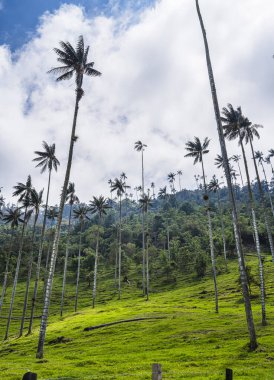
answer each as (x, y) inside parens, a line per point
(232, 125)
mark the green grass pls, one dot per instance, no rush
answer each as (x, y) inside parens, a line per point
(192, 341)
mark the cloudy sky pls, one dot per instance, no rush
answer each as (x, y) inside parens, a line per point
(154, 86)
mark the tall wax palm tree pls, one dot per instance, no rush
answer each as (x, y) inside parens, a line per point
(74, 61)
(79, 213)
(249, 133)
(243, 275)
(152, 185)
(260, 157)
(35, 203)
(180, 173)
(140, 147)
(214, 185)
(120, 187)
(146, 202)
(171, 180)
(97, 206)
(197, 149)
(14, 217)
(47, 160)
(235, 125)
(72, 199)
(236, 158)
(24, 192)
(162, 194)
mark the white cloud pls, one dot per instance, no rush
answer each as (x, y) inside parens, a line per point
(154, 88)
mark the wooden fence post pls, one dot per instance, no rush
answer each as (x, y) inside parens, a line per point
(228, 374)
(156, 372)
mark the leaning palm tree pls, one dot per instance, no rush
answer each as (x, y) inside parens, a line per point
(14, 217)
(235, 125)
(120, 187)
(35, 203)
(146, 202)
(214, 186)
(140, 147)
(97, 206)
(250, 133)
(260, 157)
(24, 192)
(74, 61)
(71, 198)
(197, 149)
(79, 213)
(243, 275)
(47, 160)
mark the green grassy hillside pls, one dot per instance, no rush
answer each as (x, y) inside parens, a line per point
(190, 341)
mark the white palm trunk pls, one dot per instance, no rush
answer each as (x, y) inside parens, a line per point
(44, 319)
(212, 254)
(143, 232)
(243, 276)
(66, 263)
(4, 287)
(119, 248)
(95, 268)
(78, 269)
(40, 253)
(222, 227)
(28, 279)
(16, 275)
(256, 235)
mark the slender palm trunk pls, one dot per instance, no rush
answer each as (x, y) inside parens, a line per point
(222, 227)
(96, 265)
(4, 288)
(116, 258)
(40, 253)
(212, 254)
(119, 248)
(43, 326)
(147, 264)
(267, 189)
(256, 234)
(28, 277)
(16, 274)
(263, 203)
(168, 242)
(240, 173)
(143, 232)
(243, 276)
(66, 263)
(78, 268)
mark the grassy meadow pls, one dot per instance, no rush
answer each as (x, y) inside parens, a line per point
(190, 340)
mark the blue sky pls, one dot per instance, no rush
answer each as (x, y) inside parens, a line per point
(19, 18)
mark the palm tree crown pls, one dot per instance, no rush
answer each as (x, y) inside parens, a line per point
(47, 158)
(74, 61)
(196, 148)
(99, 206)
(139, 146)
